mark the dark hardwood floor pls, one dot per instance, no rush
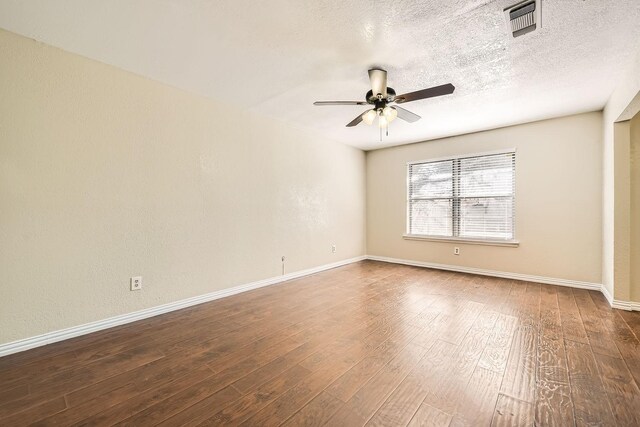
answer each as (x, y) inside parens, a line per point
(366, 344)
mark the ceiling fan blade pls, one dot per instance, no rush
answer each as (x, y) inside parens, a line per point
(426, 93)
(406, 115)
(339, 103)
(378, 79)
(355, 122)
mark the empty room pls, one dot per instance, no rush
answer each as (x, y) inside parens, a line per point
(320, 213)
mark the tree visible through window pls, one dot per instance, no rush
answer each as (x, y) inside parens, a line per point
(465, 197)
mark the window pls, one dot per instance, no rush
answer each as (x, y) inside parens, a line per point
(467, 198)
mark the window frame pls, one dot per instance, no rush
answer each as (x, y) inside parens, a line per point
(455, 220)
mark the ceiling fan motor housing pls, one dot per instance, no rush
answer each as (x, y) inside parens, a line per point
(373, 99)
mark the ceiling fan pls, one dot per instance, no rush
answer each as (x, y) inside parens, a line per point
(381, 96)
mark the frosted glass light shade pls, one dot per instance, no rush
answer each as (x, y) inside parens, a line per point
(390, 113)
(369, 116)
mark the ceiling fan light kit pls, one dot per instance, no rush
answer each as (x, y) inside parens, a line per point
(380, 96)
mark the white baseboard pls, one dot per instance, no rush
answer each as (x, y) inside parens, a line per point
(622, 305)
(607, 295)
(63, 334)
(493, 273)
(625, 305)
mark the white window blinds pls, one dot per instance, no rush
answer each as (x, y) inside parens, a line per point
(466, 197)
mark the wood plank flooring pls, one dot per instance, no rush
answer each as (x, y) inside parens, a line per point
(370, 343)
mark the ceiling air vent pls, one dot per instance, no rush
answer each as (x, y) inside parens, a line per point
(524, 17)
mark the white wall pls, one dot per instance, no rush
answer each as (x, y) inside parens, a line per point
(558, 200)
(106, 175)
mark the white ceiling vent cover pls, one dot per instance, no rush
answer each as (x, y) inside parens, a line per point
(523, 17)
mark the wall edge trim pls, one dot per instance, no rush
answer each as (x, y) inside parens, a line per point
(614, 303)
(98, 325)
(493, 273)
(87, 328)
(625, 305)
(607, 295)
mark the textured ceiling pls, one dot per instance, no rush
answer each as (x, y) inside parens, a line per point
(276, 57)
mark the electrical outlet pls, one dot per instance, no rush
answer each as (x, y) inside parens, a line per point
(456, 251)
(136, 283)
(333, 249)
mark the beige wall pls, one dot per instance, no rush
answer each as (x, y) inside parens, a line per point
(619, 107)
(635, 208)
(106, 175)
(558, 200)
(622, 213)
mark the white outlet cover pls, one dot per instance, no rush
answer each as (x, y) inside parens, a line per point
(136, 283)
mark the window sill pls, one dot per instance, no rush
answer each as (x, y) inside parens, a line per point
(507, 243)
